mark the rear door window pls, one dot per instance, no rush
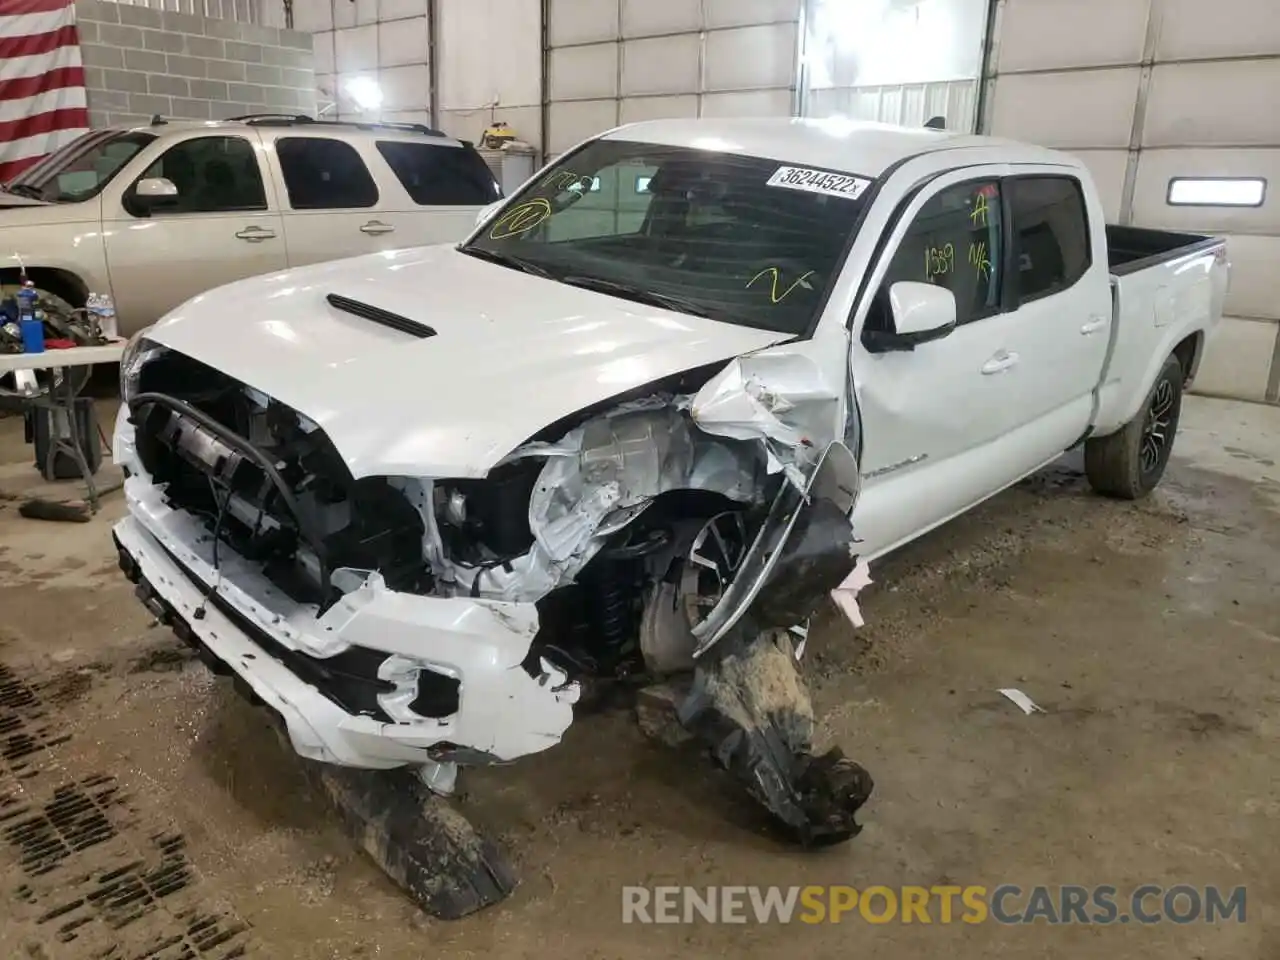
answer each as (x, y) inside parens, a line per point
(436, 175)
(324, 174)
(1051, 229)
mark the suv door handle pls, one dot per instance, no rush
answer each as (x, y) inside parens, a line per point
(1001, 362)
(1094, 325)
(376, 228)
(255, 234)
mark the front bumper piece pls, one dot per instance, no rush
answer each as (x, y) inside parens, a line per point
(345, 683)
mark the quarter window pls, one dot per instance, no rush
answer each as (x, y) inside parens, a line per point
(956, 241)
(324, 174)
(212, 174)
(1052, 232)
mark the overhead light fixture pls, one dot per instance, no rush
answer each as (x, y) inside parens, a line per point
(365, 92)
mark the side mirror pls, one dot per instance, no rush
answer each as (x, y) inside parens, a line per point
(921, 312)
(487, 211)
(151, 193)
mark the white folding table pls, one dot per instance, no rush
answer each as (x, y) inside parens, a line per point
(62, 398)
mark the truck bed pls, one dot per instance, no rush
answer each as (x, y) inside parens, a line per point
(1130, 249)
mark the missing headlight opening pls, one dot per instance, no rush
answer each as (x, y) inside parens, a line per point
(676, 536)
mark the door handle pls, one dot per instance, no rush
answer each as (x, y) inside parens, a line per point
(1001, 362)
(376, 228)
(1094, 325)
(255, 234)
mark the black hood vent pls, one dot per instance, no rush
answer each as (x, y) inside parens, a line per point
(367, 311)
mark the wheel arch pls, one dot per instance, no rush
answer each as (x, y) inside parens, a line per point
(1189, 352)
(64, 283)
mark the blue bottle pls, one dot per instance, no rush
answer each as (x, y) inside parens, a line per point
(32, 327)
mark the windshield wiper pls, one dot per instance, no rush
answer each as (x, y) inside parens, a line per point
(507, 260)
(24, 190)
(638, 294)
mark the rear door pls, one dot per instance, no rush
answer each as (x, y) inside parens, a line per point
(434, 189)
(1060, 288)
(224, 225)
(333, 207)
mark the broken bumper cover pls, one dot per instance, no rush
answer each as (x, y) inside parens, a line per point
(286, 656)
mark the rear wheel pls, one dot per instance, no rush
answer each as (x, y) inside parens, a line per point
(1129, 463)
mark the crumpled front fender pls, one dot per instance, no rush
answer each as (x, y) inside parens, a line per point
(835, 484)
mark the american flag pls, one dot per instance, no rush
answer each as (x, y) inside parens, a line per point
(42, 97)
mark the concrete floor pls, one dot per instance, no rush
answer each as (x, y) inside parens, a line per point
(144, 806)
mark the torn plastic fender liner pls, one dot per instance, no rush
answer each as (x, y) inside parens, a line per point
(835, 483)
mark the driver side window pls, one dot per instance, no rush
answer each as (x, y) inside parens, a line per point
(956, 241)
(213, 175)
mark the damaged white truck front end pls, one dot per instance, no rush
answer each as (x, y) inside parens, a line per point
(418, 503)
(447, 663)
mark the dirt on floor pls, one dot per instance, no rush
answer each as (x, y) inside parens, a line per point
(147, 812)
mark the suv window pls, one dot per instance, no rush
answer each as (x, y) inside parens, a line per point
(323, 174)
(212, 174)
(80, 169)
(1052, 232)
(440, 176)
(957, 242)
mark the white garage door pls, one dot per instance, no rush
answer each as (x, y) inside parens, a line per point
(618, 61)
(895, 61)
(1172, 103)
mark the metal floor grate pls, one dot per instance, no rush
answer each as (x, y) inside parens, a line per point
(99, 876)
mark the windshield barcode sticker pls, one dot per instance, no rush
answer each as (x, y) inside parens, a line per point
(819, 181)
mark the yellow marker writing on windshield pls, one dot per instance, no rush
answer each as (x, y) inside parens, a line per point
(774, 295)
(978, 215)
(520, 219)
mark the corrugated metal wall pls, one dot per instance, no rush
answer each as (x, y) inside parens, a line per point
(1151, 90)
(487, 57)
(616, 61)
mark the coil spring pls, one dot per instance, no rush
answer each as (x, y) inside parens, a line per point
(610, 605)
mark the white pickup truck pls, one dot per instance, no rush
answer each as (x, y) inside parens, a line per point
(652, 412)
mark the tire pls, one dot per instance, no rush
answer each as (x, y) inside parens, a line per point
(1130, 462)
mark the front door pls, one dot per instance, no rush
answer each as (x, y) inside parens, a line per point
(939, 421)
(222, 226)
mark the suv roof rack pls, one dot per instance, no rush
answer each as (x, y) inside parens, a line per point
(301, 120)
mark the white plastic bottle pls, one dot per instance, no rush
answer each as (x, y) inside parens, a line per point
(104, 311)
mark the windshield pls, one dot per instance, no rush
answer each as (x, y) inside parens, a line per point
(81, 169)
(745, 240)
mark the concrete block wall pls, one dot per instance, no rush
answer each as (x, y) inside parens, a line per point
(140, 61)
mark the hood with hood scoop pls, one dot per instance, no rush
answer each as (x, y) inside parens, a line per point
(475, 359)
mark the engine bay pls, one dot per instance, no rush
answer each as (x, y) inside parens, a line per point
(623, 525)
